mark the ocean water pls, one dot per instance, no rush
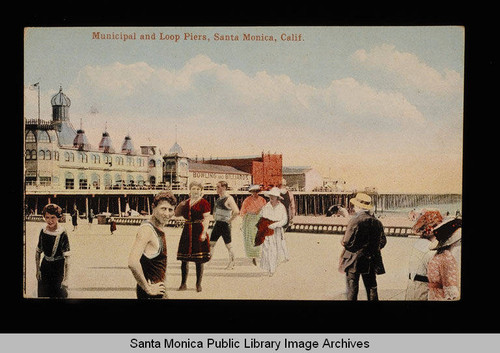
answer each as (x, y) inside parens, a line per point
(443, 208)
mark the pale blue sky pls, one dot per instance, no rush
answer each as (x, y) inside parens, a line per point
(352, 102)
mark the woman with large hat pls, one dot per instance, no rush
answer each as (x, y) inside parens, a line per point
(250, 209)
(417, 287)
(443, 270)
(275, 212)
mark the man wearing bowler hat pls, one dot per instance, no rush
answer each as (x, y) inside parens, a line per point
(363, 239)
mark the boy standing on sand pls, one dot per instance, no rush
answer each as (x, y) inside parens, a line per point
(148, 257)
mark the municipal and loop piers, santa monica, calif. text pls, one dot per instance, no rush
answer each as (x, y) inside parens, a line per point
(192, 36)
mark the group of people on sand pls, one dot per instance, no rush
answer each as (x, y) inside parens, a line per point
(434, 265)
(148, 256)
(434, 268)
(147, 259)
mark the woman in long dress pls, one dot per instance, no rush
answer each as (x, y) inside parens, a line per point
(53, 248)
(276, 212)
(418, 287)
(194, 244)
(443, 270)
(250, 210)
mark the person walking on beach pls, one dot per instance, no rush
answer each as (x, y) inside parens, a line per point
(74, 218)
(418, 288)
(289, 202)
(91, 217)
(112, 225)
(443, 270)
(194, 245)
(362, 241)
(53, 243)
(148, 256)
(250, 209)
(275, 212)
(225, 211)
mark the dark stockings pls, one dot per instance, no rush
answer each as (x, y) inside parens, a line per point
(185, 272)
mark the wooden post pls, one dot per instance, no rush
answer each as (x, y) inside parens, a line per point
(119, 207)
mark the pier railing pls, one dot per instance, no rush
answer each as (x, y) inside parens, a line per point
(397, 231)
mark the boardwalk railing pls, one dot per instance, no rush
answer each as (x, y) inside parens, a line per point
(397, 231)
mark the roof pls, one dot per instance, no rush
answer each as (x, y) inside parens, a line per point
(295, 170)
(60, 99)
(213, 168)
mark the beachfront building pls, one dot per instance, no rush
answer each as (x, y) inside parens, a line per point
(302, 178)
(265, 169)
(210, 174)
(58, 157)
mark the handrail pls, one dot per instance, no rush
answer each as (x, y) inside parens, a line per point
(398, 231)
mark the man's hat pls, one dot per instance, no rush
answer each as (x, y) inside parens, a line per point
(362, 200)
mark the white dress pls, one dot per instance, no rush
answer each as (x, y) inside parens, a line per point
(274, 247)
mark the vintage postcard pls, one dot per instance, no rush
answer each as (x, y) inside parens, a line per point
(316, 130)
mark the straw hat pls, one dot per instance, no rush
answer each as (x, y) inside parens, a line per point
(254, 187)
(363, 201)
(447, 233)
(274, 192)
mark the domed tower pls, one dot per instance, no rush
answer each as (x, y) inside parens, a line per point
(80, 141)
(106, 145)
(60, 106)
(60, 116)
(176, 149)
(127, 146)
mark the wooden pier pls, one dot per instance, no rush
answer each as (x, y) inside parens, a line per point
(117, 202)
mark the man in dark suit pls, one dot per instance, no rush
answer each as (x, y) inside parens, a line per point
(363, 239)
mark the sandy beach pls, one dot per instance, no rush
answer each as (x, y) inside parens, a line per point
(99, 266)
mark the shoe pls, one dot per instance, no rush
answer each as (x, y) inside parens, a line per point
(183, 287)
(254, 261)
(198, 287)
(230, 265)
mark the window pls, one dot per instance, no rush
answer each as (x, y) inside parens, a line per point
(70, 183)
(83, 184)
(45, 181)
(43, 136)
(83, 158)
(30, 136)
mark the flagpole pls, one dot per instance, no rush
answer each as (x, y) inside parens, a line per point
(38, 86)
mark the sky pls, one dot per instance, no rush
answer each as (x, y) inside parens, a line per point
(373, 106)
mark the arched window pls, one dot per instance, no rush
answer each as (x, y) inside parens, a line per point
(43, 136)
(41, 154)
(48, 155)
(30, 136)
(83, 158)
